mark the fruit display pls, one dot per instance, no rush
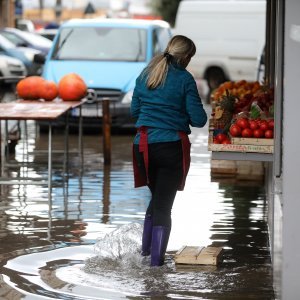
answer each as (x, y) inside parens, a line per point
(245, 94)
(223, 112)
(257, 128)
(241, 112)
(70, 88)
(29, 88)
(49, 90)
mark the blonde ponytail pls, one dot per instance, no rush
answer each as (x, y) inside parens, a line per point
(180, 50)
(157, 71)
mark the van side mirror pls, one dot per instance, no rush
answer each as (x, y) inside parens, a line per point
(39, 58)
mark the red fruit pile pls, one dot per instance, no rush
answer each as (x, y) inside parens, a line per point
(71, 87)
(221, 138)
(31, 88)
(246, 93)
(249, 128)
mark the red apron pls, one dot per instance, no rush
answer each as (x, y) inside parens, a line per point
(140, 179)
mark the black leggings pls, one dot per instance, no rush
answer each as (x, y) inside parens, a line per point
(165, 175)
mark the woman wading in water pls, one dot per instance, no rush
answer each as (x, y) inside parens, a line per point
(165, 103)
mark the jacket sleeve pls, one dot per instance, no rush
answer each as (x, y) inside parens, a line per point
(194, 106)
(135, 102)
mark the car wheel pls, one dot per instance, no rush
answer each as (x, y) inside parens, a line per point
(214, 76)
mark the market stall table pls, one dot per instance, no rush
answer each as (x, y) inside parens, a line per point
(37, 110)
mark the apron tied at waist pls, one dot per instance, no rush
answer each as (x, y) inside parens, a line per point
(186, 157)
(143, 179)
(139, 178)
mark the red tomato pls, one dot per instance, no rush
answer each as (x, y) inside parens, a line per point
(253, 124)
(257, 121)
(269, 134)
(242, 123)
(227, 141)
(258, 133)
(263, 125)
(271, 124)
(235, 130)
(247, 133)
(220, 137)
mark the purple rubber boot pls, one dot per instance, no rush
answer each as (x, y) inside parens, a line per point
(160, 239)
(147, 236)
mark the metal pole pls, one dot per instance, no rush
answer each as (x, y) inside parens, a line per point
(80, 145)
(66, 148)
(50, 163)
(6, 141)
(106, 129)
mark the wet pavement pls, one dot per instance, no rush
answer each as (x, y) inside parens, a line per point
(48, 251)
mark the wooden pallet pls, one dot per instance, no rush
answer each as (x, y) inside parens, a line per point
(195, 255)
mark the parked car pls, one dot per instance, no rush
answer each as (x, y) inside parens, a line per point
(25, 25)
(26, 39)
(11, 69)
(47, 33)
(26, 55)
(108, 54)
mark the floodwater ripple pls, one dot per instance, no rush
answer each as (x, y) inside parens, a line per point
(49, 249)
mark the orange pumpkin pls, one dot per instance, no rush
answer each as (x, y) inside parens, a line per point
(71, 87)
(29, 88)
(49, 90)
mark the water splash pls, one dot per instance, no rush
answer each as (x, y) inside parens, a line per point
(118, 260)
(117, 250)
(119, 266)
(119, 243)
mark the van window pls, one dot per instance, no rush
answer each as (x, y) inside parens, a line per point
(156, 48)
(161, 38)
(105, 43)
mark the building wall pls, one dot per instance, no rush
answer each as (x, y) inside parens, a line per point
(7, 13)
(291, 157)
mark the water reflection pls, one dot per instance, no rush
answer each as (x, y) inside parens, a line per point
(106, 193)
(245, 231)
(45, 246)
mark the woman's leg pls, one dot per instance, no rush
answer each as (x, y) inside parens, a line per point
(165, 173)
(148, 221)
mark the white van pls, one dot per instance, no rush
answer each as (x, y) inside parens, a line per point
(229, 36)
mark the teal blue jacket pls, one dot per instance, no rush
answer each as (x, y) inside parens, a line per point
(169, 108)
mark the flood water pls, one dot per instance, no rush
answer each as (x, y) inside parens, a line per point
(84, 243)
